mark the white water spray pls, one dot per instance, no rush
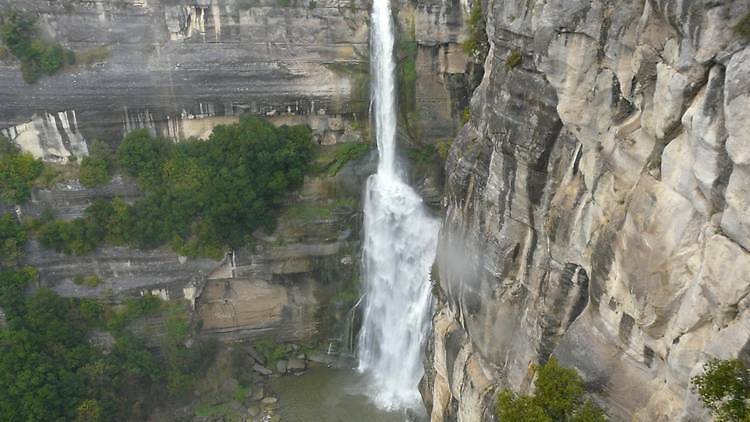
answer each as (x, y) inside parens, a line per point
(399, 248)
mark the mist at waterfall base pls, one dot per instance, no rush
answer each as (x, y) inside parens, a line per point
(399, 248)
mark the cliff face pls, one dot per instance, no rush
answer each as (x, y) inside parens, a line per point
(597, 207)
(166, 63)
(180, 67)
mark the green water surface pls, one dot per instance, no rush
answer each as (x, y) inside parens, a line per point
(330, 395)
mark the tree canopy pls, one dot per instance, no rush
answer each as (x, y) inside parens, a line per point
(96, 168)
(559, 395)
(724, 388)
(50, 371)
(200, 196)
(17, 172)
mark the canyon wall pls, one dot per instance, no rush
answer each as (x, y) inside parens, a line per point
(180, 67)
(596, 207)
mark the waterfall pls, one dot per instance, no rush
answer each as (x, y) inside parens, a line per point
(399, 247)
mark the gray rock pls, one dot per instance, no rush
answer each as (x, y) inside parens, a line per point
(582, 208)
(322, 358)
(257, 357)
(258, 393)
(262, 369)
(296, 365)
(281, 366)
(270, 400)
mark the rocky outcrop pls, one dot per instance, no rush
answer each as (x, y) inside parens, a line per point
(301, 281)
(178, 68)
(297, 283)
(596, 207)
(161, 64)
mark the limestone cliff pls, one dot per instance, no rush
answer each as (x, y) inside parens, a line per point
(596, 207)
(180, 67)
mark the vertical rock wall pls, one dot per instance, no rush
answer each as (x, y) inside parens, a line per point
(597, 207)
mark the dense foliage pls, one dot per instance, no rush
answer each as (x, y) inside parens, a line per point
(13, 237)
(19, 34)
(724, 388)
(50, 371)
(201, 196)
(80, 236)
(559, 396)
(18, 170)
(96, 168)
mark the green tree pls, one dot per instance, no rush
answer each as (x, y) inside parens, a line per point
(559, 395)
(514, 408)
(17, 173)
(143, 157)
(724, 388)
(89, 411)
(94, 172)
(588, 412)
(13, 238)
(82, 235)
(558, 390)
(201, 196)
(96, 168)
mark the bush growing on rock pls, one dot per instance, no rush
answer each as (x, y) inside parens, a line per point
(12, 240)
(18, 170)
(513, 60)
(201, 196)
(80, 236)
(724, 387)
(96, 168)
(559, 396)
(204, 195)
(37, 56)
(477, 45)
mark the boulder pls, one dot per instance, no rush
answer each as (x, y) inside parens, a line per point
(296, 365)
(262, 369)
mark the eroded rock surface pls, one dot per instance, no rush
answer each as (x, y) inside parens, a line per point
(597, 207)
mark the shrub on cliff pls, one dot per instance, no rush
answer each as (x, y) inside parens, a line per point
(17, 173)
(477, 44)
(96, 168)
(80, 236)
(12, 240)
(724, 388)
(559, 396)
(204, 195)
(201, 196)
(19, 33)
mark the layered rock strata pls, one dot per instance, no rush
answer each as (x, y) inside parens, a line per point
(596, 207)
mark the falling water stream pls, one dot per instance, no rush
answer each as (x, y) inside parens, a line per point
(399, 248)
